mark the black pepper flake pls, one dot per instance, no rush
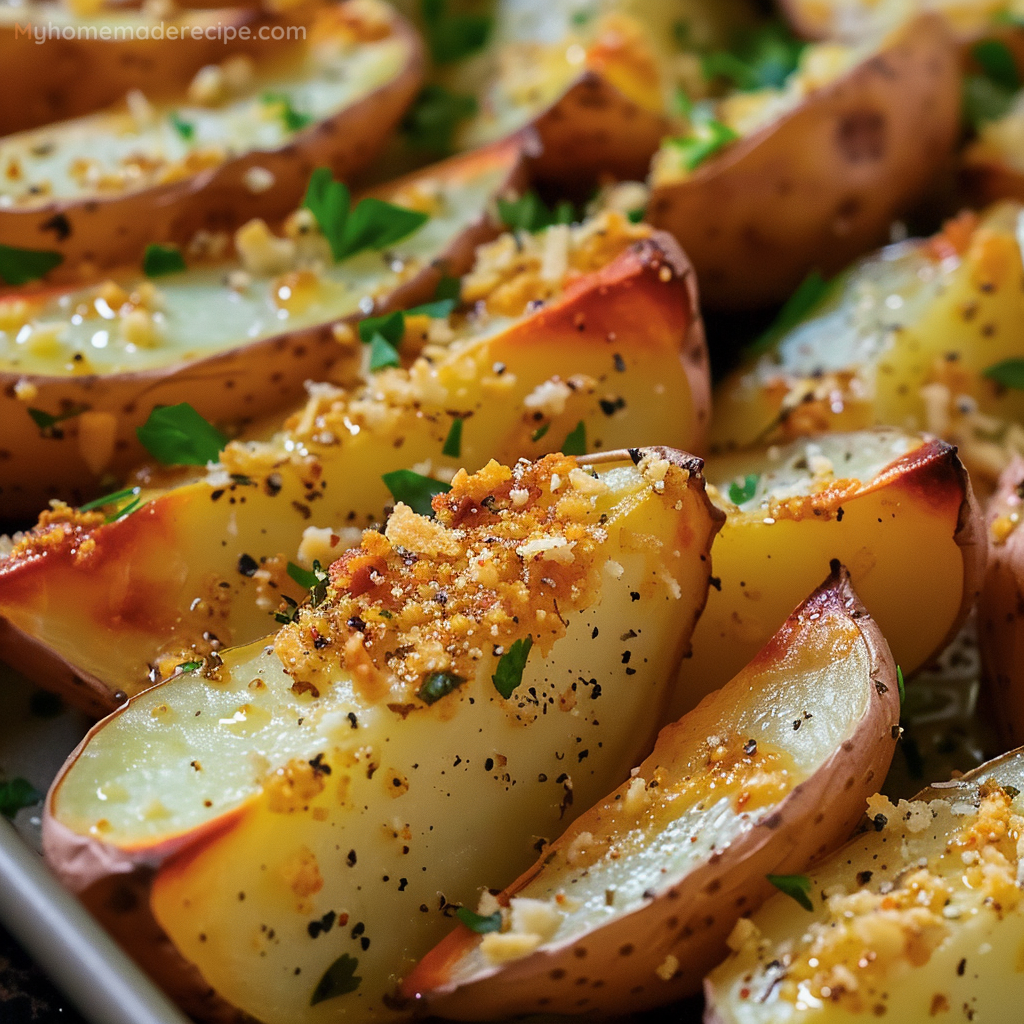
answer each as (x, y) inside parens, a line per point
(839, 514)
(217, 494)
(247, 565)
(879, 821)
(582, 754)
(593, 636)
(357, 623)
(634, 596)
(961, 967)
(626, 655)
(634, 454)
(59, 225)
(796, 724)
(750, 748)
(716, 582)
(351, 858)
(863, 877)
(353, 721)
(620, 363)
(489, 764)
(610, 406)
(323, 925)
(318, 766)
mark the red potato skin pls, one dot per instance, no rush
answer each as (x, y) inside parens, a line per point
(79, 76)
(822, 184)
(1000, 611)
(224, 388)
(216, 199)
(688, 918)
(132, 605)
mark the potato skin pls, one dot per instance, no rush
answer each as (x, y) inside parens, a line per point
(232, 386)
(101, 232)
(82, 75)
(690, 917)
(822, 184)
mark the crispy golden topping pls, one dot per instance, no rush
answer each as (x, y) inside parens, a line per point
(56, 526)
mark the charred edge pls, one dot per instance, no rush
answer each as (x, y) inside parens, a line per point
(682, 460)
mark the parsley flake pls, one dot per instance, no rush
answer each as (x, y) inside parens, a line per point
(797, 887)
(292, 119)
(108, 499)
(47, 421)
(382, 354)
(453, 36)
(530, 213)
(449, 288)
(189, 666)
(509, 673)
(989, 95)
(414, 489)
(19, 266)
(437, 685)
(186, 129)
(121, 513)
(810, 294)
(162, 259)
(576, 442)
(761, 58)
(371, 224)
(900, 686)
(16, 794)
(434, 117)
(290, 613)
(479, 923)
(339, 979)
(739, 493)
(453, 442)
(315, 582)
(176, 435)
(540, 432)
(1009, 373)
(705, 139)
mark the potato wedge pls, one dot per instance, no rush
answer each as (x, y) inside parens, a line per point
(912, 336)
(820, 182)
(236, 338)
(365, 760)
(897, 510)
(916, 919)
(999, 608)
(642, 890)
(97, 190)
(205, 558)
(50, 78)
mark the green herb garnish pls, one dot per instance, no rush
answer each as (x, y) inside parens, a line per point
(437, 685)
(576, 442)
(120, 513)
(540, 432)
(988, 96)
(434, 117)
(530, 213)
(384, 333)
(19, 266)
(339, 979)
(453, 36)
(509, 673)
(293, 120)
(16, 794)
(189, 666)
(797, 887)
(162, 259)
(705, 139)
(761, 58)
(382, 354)
(453, 442)
(176, 435)
(810, 293)
(315, 582)
(372, 224)
(479, 923)
(186, 129)
(637, 215)
(47, 421)
(108, 499)
(414, 490)
(449, 288)
(739, 493)
(1009, 373)
(996, 60)
(291, 612)
(900, 686)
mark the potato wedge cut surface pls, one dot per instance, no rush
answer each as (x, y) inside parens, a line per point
(642, 890)
(915, 920)
(346, 772)
(896, 509)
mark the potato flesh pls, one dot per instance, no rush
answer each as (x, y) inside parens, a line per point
(897, 539)
(964, 955)
(461, 814)
(199, 314)
(903, 341)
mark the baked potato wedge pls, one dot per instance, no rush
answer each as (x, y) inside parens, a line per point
(235, 337)
(456, 692)
(922, 335)
(203, 560)
(113, 51)
(809, 176)
(640, 893)
(919, 917)
(240, 143)
(896, 509)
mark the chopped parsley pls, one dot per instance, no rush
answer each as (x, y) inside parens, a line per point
(509, 673)
(437, 685)
(384, 333)
(637, 215)
(125, 510)
(315, 582)
(176, 435)
(1009, 373)
(371, 224)
(414, 489)
(19, 266)
(540, 432)
(189, 666)
(706, 138)
(47, 421)
(109, 499)
(576, 442)
(530, 213)
(810, 293)
(761, 58)
(16, 794)
(453, 442)
(186, 129)
(162, 259)
(339, 979)
(292, 119)
(453, 36)
(449, 288)
(797, 887)
(989, 95)
(479, 923)
(434, 117)
(290, 613)
(739, 493)
(900, 686)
